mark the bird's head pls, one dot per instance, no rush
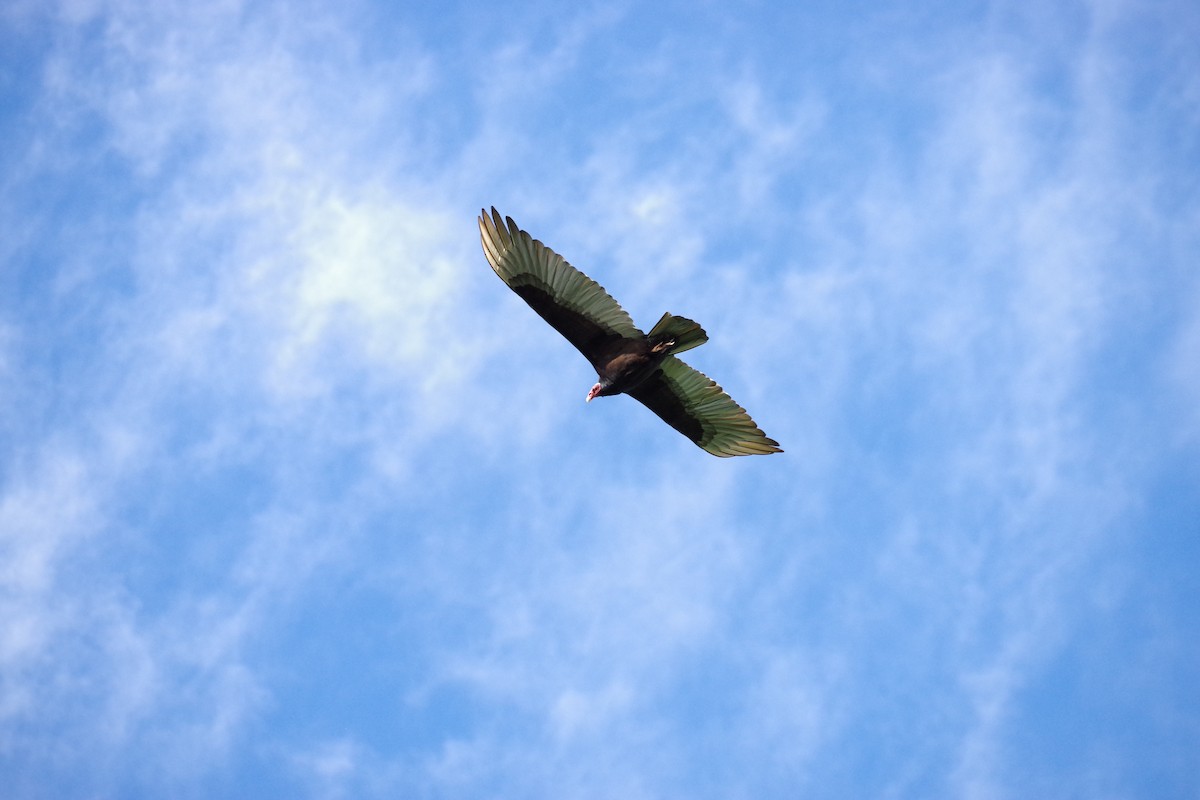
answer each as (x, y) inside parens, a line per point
(593, 392)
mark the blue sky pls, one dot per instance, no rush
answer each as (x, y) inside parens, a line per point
(297, 499)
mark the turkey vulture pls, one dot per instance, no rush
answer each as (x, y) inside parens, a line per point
(628, 361)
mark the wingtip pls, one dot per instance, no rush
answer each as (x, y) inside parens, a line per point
(498, 221)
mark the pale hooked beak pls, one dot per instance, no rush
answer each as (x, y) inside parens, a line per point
(593, 392)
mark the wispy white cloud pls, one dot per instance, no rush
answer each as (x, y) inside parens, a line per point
(254, 266)
(1180, 373)
(43, 516)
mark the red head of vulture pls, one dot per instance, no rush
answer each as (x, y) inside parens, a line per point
(627, 361)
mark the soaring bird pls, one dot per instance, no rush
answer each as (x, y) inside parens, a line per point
(627, 361)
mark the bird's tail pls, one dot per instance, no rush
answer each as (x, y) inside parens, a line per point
(683, 333)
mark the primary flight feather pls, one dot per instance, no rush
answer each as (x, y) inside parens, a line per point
(641, 365)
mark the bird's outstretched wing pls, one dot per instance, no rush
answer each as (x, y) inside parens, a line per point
(693, 404)
(574, 304)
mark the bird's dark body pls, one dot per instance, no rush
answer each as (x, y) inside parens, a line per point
(630, 366)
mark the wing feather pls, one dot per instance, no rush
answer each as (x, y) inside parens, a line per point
(574, 304)
(693, 404)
